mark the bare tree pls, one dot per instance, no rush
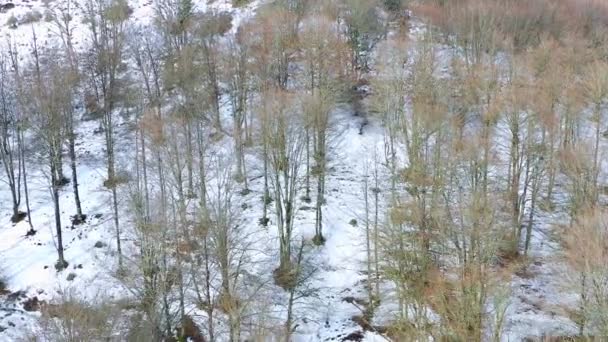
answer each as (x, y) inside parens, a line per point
(322, 56)
(585, 245)
(363, 30)
(596, 90)
(62, 18)
(46, 98)
(106, 23)
(274, 41)
(10, 140)
(212, 27)
(285, 147)
(226, 237)
(22, 121)
(236, 75)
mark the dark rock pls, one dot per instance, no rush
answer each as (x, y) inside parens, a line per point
(31, 304)
(264, 221)
(354, 336)
(15, 295)
(6, 7)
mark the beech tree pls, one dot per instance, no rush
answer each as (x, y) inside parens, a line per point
(322, 56)
(363, 30)
(585, 245)
(23, 125)
(596, 90)
(62, 18)
(10, 139)
(47, 103)
(106, 23)
(213, 26)
(275, 41)
(236, 76)
(285, 152)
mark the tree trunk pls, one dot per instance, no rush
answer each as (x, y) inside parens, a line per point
(25, 186)
(61, 263)
(79, 218)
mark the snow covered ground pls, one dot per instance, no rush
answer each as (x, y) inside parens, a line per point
(27, 262)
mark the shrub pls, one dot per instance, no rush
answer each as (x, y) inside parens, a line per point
(76, 319)
(393, 5)
(119, 11)
(214, 24)
(31, 17)
(48, 16)
(12, 22)
(239, 3)
(121, 177)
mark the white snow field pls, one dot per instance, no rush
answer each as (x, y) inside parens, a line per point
(27, 263)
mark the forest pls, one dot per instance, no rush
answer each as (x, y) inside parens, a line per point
(303, 170)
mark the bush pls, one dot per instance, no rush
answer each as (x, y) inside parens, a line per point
(121, 177)
(285, 277)
(48, 16)
(393, 5)
(31, 17)
(76, 319)
(214, 24)
(239, 3)
(12, 22)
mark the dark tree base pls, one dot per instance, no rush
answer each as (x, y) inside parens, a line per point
(78, 219)
(267, 199)
(31, 304)
(60, 266)
(189, 331)
(18, 217)
(31, 232)
(318, 240)
(264, 221)
(63, 181)
(121, 272)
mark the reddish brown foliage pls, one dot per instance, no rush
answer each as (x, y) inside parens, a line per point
(521, 22)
